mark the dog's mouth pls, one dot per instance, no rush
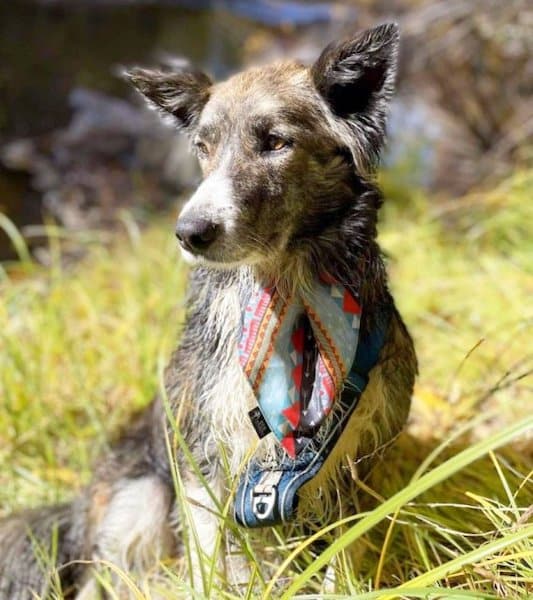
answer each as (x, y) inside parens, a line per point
(226, 255)
(218, 262)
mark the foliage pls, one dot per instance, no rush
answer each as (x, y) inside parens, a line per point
(446, 513)
(473, 59)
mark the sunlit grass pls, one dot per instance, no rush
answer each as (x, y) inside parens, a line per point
(82, 346)
(78, 348)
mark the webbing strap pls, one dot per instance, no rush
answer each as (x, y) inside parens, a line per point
(269, 495)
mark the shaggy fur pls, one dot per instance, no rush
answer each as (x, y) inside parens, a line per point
(287, 154)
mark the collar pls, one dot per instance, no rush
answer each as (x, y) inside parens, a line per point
(268, 495)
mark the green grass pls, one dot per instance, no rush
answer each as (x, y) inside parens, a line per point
(447, 513)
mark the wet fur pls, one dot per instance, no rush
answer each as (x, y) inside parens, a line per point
(320, 216)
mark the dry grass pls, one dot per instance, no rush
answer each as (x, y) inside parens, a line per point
(80, 349)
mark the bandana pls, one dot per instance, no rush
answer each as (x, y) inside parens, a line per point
(297, 351)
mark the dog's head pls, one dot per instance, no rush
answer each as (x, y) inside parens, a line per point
(281, 147)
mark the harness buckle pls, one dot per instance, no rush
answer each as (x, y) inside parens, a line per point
(265, 495)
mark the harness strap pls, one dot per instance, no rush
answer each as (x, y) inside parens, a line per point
(268, 495)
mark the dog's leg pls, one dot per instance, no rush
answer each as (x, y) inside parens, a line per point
(209, 545)
(237, 567)
(202, 530)
(130, 528)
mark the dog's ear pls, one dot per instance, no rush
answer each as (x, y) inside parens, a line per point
(356, 78)
(356, 74)
(180, 91)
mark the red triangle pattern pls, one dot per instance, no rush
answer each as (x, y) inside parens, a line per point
(292, 414)
(350, 304)
(289, 445)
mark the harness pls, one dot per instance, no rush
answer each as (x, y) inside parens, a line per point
(268, 494)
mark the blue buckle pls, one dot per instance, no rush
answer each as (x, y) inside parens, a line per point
(265, 495)
(268, 496)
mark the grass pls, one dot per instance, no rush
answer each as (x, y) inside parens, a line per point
(447, 513)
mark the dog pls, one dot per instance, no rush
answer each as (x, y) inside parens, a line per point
(288, 206)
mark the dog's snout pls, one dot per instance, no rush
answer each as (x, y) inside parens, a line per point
(196, 235)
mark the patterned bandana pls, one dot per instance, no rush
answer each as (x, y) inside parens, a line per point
(297, 352)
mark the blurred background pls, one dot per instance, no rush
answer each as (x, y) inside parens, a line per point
(77, 147)
(91, 288)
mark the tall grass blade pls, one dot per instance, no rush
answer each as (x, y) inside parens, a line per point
(427, 481)
(454, 565)
(16, 238)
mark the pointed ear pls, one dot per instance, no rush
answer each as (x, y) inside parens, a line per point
(356, 73)
(181, 91)
(356, 78)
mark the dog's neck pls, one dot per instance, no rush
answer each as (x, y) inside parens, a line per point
(344, 248)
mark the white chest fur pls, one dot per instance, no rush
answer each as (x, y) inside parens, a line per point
(230, 397)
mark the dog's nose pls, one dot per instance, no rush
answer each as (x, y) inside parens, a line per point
(197, 234)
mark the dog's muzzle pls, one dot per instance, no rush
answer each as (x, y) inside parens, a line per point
(197, 234)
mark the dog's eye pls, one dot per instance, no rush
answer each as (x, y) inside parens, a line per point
(201, 148)
(274, 143)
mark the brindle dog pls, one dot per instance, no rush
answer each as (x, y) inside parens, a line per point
(287, 153)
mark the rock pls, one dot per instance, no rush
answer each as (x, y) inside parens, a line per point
(111, 155)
